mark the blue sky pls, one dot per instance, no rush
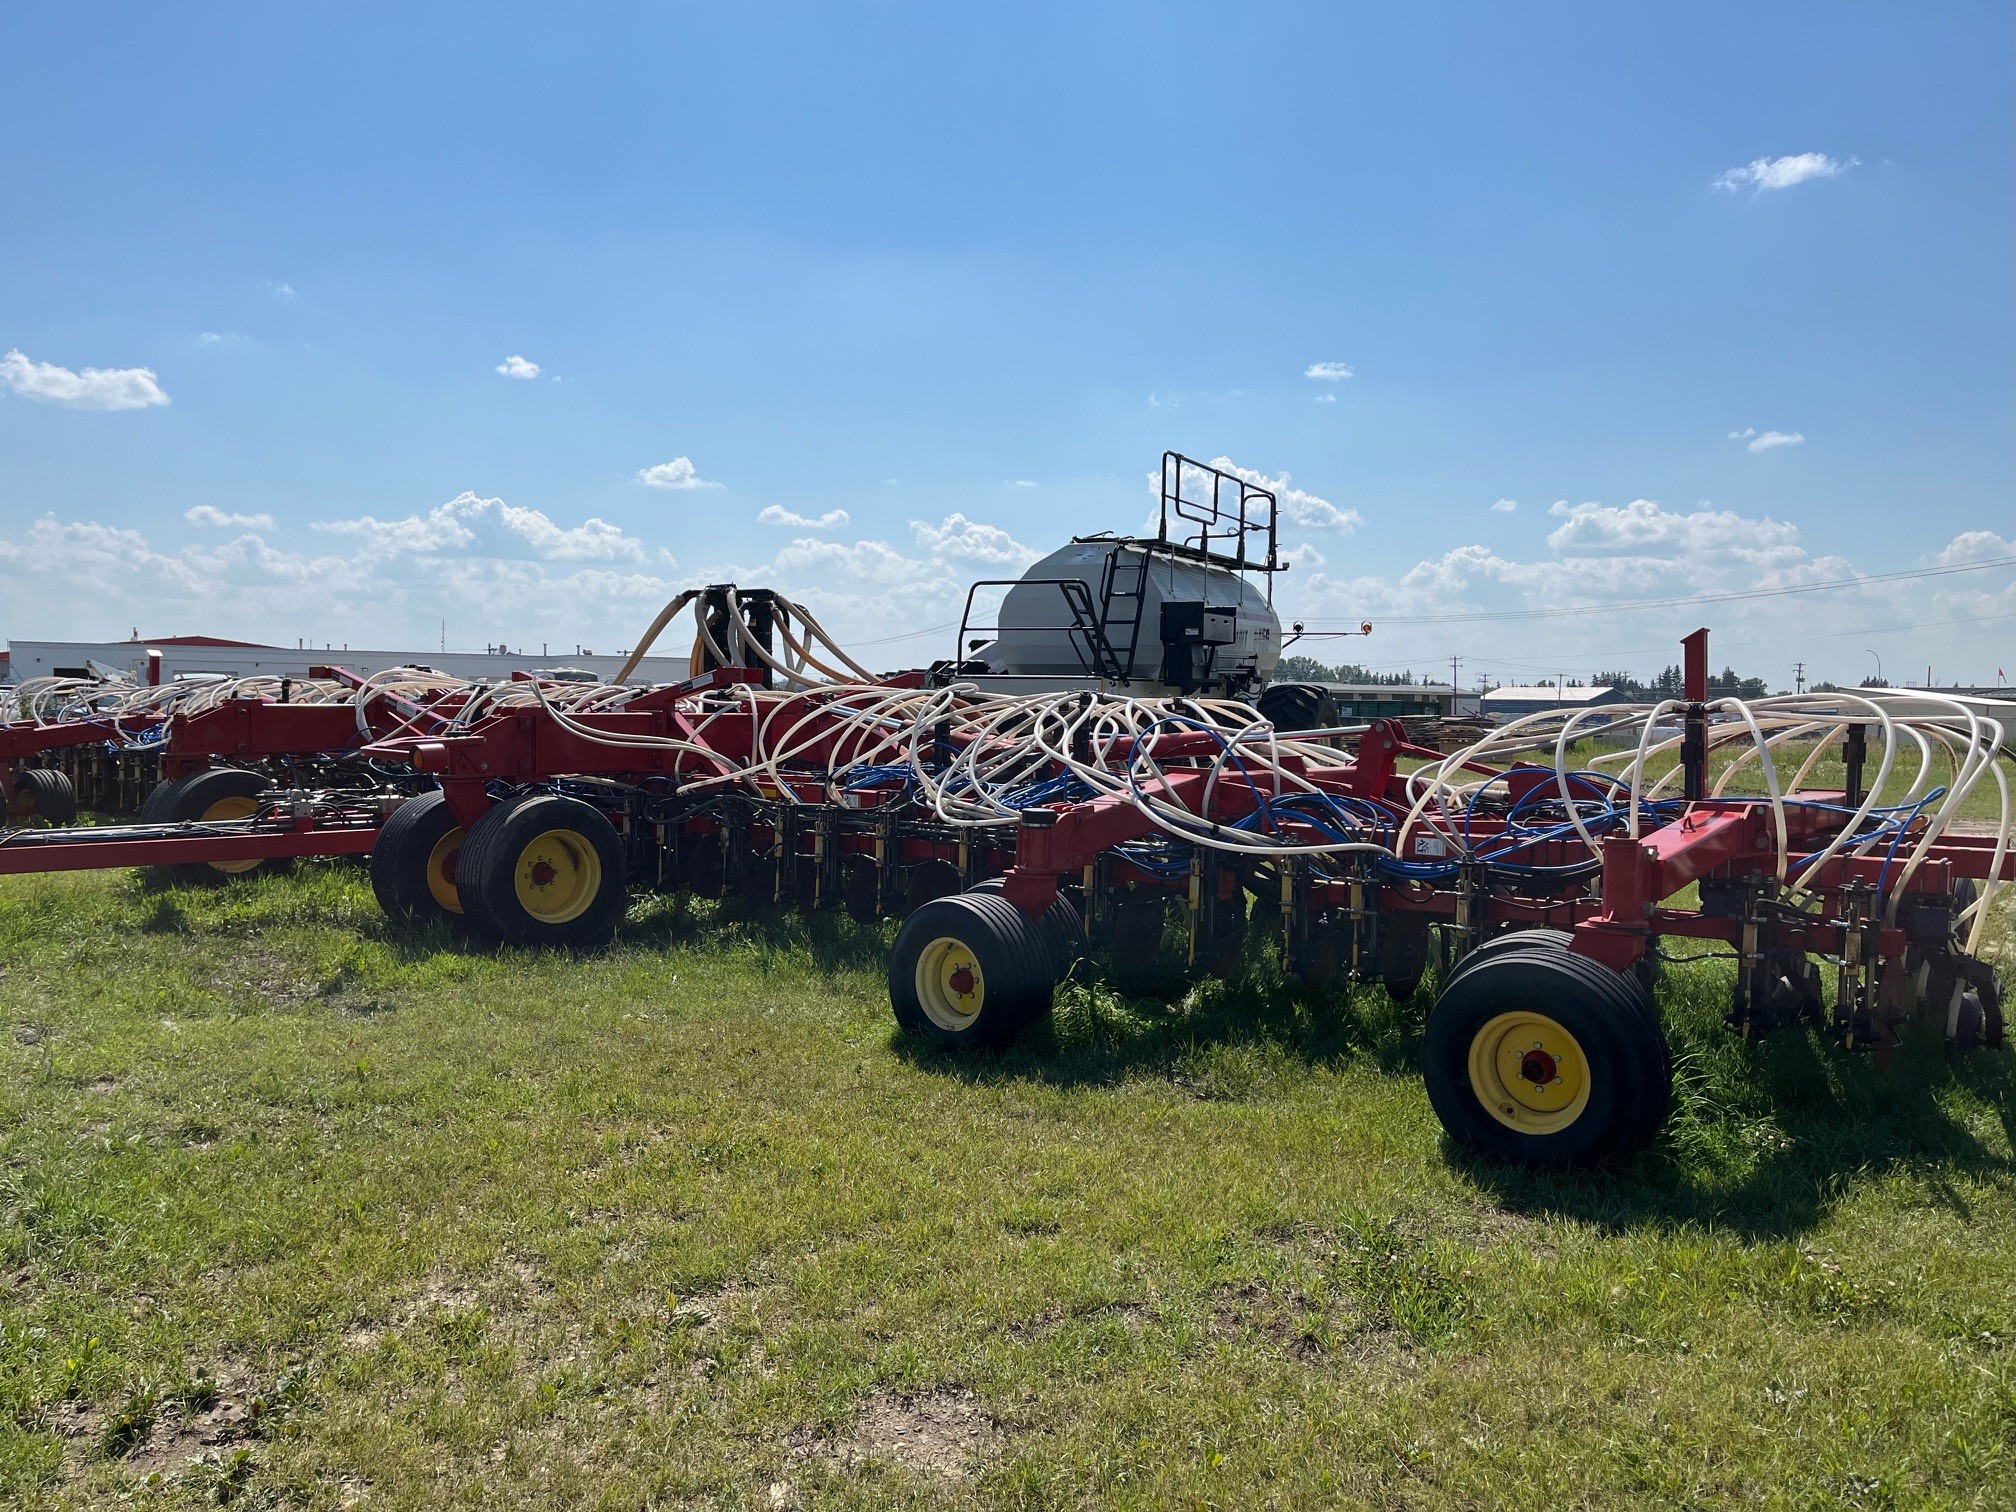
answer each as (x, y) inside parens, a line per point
(949, 281)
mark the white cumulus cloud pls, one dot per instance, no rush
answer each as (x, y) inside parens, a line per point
(1645, 529)
(495, 528)
(90, 389)
(1765, 440)
(959, 538)
(210, 514)
(1326, 398)
(776, 514)
(1296, 505)
(678, 473)
(515, 366)
(1504, 506)
(1327, 372)
(1760, 174)
(1024, 483)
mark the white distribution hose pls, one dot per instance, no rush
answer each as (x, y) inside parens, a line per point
(1008, 752)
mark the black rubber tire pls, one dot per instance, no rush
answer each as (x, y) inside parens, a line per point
(929, 881)
(1133, 957)
(1063, 927)
(186, 800)
(401, 856)
(159, 805)
(1406, 942)
(1511, 940)
(486, 873)
(1297, 706)
(1015, 954)
(1225, 951)
(861, 889)
(1630, 1074)
(48, 795)
(1641, 1018)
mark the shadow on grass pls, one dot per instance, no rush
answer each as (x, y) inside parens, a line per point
(1764, 1139)
(832, 941)
(1154, 1023)
(1829, 1122)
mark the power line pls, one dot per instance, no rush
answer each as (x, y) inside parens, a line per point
(1625, 606)
(888, 640)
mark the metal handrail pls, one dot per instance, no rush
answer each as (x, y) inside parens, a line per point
(1085, 632)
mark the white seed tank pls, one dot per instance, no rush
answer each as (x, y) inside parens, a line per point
(1169, 622)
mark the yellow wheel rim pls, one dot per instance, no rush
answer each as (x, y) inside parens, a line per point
(951, 988)
(232, 808)
(1529, 1073)
(21, 805)
(441, 870)
(557, 876)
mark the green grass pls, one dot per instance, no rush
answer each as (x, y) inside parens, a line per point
(297, 1209)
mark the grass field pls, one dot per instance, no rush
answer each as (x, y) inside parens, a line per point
(299, 1209)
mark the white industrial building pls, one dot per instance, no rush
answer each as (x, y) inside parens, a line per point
(1513, 702)
(166, 658)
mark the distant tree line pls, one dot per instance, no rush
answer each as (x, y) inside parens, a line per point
(1728, 683)
(1308, 669)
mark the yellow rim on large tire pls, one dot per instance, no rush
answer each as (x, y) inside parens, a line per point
(21, 805)
(951, 988)
(441, 870)
(232, 808)
(1529, 1072)
(557, 876)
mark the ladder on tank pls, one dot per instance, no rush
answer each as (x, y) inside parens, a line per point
(1124, 583)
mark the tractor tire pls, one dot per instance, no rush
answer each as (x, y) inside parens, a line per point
(1542, 1058)
(415, 860)
(1063, 927)
(971, 970)
(1297, 706)
(42, 794)
(544, 871)
(216, 794)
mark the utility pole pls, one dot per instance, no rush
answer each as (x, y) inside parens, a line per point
(1452, 685)
(1798, 677)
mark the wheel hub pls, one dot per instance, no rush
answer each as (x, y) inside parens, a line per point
(558, 876)
(1529, 1072)
(951, 985)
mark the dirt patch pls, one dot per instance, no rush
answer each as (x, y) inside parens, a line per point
(438, 1291)
(250, 976)
(178, 1438)
(1134, 1317)
(938, 1435)
(27, 1034)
